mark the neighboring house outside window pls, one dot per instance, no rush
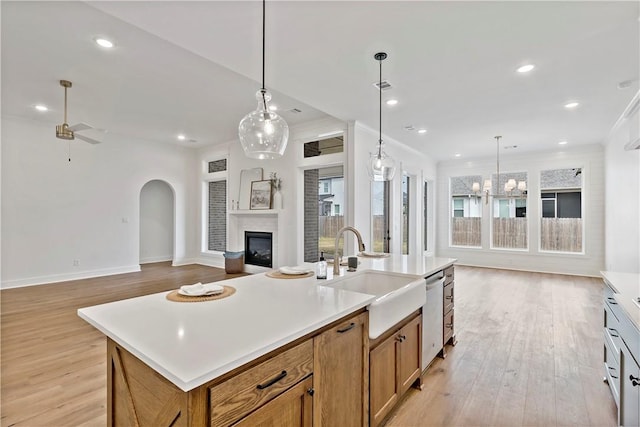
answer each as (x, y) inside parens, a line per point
(466, 212)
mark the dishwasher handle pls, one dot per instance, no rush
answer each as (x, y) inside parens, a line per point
(435, 279)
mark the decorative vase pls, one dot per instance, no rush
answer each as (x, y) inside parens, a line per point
(277, 200)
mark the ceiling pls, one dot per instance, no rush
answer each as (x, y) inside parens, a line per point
(193, 68)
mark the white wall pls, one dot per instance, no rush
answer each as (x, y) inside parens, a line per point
(623, 197)
(589, 158)
(156, 222)
(55, 211)
(288, 168)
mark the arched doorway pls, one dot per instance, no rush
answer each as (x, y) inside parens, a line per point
(156, 222)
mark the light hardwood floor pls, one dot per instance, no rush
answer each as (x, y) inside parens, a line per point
(529, 351)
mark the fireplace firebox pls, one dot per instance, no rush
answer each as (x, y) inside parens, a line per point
(258, 248)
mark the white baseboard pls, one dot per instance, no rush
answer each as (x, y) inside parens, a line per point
(211, 261)
(184, 261)
(54, 278)
(150, 260)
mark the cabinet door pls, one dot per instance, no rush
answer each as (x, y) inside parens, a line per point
(293, 408)
(409, 354)
(341, 374)
(384, 384)
(629, 389)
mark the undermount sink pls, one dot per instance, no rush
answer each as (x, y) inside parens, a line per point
(397, 296)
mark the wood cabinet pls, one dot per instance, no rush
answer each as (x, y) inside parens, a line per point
(320, 379)
(395, 364)
(292, 408)
(341, 374)
(448, 328)
(233, 399)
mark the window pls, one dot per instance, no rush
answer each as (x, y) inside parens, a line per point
(324, 147)
(509, 226)
(466, 211)
(405, 214)
(561, 228)
(323, 201)
(380, 222)
(425, 217)
(217, 215)
(216, 208)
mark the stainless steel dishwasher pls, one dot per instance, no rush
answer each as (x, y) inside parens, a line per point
(432, 322)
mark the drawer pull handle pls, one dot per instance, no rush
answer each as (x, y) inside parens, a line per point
(634, 381)
(612, 301)
(310, 391)
(401, 338)
(348, 328)
(449, 325)
(269, 383)
(449, 297)
(611, 331)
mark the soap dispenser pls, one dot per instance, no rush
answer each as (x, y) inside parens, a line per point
(321, 267)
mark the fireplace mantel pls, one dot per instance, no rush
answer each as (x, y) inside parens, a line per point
(255, 212)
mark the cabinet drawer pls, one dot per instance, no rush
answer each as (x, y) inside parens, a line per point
(612, 372)
(238, 396)
(612, 331)
(448, 275)
(448, 298)
(448, 326)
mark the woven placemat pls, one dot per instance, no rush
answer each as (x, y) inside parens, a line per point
(175, 296)
(275, 274)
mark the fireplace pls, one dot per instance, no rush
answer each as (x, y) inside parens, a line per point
(258, 248)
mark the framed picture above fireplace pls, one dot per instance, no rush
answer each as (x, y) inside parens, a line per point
(260, 195)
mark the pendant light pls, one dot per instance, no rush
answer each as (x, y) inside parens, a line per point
(381, 167)
(263, 134)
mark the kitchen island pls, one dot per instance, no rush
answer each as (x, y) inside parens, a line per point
(173, 360)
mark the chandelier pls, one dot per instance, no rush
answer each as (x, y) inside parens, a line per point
(512, 188)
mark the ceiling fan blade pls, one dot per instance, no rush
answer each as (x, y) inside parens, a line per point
(79, 127)
(87, 139)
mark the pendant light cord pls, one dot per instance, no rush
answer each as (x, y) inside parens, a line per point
(498, 163)
(263, 45)
(380, 116)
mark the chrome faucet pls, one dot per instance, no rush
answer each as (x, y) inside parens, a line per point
(336, 256)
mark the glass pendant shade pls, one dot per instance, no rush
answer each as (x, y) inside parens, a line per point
(381, 167)
(263, 134)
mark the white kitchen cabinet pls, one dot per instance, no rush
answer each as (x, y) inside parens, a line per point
(621, 334)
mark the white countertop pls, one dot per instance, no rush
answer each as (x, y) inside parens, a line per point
(419, 266)
(627, 288)
(193, 343)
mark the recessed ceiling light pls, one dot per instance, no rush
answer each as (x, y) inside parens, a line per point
(571, 104)
(41, 107)
(182, 137)
(273, 107)
(392, 101)
(422, 131)
(562, 143)
(458, 155)
(104, 42)
(526, 68)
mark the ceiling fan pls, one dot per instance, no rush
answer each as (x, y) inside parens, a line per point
(64, 131)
